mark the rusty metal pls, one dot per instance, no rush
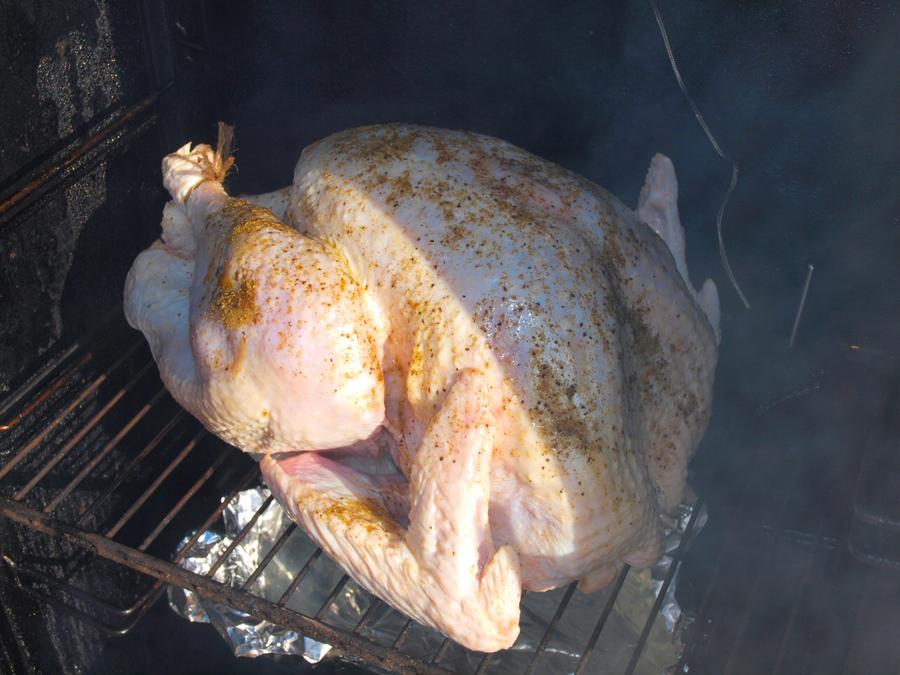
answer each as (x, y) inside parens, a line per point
(133, 617)
(483, 664)
(140, 501)
(36, 379)
(400, 640)
(82, 432)
(89, 346)
(89, 467)
(82, 396)
(46, 393)
(184, 499)
(63, 165)
(253, 605)
(216, 514)
(182, 436)
(104, 451)
(442, 651)
(143, 603)
(364, 619)
(130, 467)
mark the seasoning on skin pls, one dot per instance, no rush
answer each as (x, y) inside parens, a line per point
(235, 304)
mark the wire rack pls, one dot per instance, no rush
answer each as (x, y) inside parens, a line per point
(95, 453)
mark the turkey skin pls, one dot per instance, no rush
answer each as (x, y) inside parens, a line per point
(466, 371)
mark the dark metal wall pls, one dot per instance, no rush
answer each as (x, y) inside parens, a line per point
(798, 94)
(79, 197)
(66, 240)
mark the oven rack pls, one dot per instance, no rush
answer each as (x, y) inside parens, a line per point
(94, 452)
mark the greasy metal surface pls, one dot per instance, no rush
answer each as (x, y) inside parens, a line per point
(77, 95)
(45, 394)
(64, 164)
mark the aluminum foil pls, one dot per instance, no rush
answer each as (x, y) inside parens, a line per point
(250, 637)
(246, 635)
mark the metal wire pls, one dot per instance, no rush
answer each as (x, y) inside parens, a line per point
(298, 578)
(723, 254)
(48, 392)
(208, 587)
(84, 431)
(130, 615)
(661, 594)
(215, 515)
(281, 541)
(100, 456)
(140, 501)
(364, 619)
(79, 399)
(176, 509)
(118, 621)
(86, 349)
(112, 136)
(400, 640)
(548, 633)
(601, 622)
(73, 591)
(442, 650)
(239, 538)
(129, 468)
(332, 596)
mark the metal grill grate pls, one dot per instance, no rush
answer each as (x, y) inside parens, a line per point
(96, 453)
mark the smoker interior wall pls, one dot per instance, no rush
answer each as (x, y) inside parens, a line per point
(798, 95)
(65, 66)
(802, 95)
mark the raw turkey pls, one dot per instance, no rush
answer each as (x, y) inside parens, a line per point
(467, 371)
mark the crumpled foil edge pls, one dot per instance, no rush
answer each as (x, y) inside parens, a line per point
(250, 637)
